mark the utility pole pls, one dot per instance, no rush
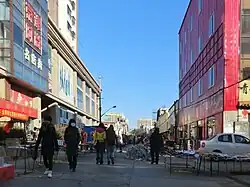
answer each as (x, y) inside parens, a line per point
(100, 100)
(176, 121)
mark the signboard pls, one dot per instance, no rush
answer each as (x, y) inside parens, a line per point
(33, 28)
(13, 107)
(14, 115)
(244, 91)
(49, 69)
(21, 99)
(32, 57)
(90, 132)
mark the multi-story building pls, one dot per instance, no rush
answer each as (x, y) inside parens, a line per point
(214, 61)
(40, 73)
(172, 121)
(118, 120)
(145, 123)
(64, 13)
(162, 119)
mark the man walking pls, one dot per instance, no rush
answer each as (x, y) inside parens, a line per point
(156, 144)
(99, 142)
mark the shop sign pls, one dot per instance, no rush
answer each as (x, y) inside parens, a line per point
(32, 58)
(14, 115)
(21, 99)
(33, 23)
(244, 91)
(13, 107)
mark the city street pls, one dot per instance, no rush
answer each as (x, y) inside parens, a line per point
(125, 173)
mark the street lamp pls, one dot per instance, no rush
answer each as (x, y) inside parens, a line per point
(107, 110)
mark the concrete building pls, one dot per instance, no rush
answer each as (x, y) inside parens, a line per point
(173, 121)
(40, 74)
(145, 123)
(162, 119)
(64, 13)
(118, 120)
(214, 68)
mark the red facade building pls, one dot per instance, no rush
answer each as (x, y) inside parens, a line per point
(212, 46)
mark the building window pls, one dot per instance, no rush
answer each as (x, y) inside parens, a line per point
(87, 89)
(191, 23)
(200, 44)
(87, 104)
(79, 99)
(69, 26)
(69, 11)
(185, 100)
(93, 108)
(93, 95)
(185, 37)
(185, 68)
(79, 82)
(191, 57)
(191, 95)
(199, 87)
(211, 25)
(211, 77)
(200, 4)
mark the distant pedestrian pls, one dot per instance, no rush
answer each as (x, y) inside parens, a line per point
(156, 144)
(48, 139)
(111, 141)
(72, 139)
(99, 142)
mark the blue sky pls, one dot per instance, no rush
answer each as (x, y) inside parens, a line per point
(133, 45)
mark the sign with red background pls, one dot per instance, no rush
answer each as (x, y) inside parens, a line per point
(33, 23)
(21, 99)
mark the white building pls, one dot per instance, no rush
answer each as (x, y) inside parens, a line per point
(146, 124)
(162, 119)
(65, 15)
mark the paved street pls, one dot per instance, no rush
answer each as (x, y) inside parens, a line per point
(125, 173)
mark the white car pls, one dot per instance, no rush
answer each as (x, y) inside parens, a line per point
(226, 143)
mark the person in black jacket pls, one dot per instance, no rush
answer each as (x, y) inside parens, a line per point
(48, 139)
(111, 141)
(156, 144)
(72, 139)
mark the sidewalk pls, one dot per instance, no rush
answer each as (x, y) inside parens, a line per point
(124, 173)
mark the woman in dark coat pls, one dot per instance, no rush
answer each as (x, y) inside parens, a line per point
(111, 141)
(72, 139)
(48, 139)
(156, 143)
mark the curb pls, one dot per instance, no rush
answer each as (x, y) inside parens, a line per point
(239, 181)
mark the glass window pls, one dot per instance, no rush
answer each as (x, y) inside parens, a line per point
(87, 104)
(200, 45)
(245, 24)
(211, 77)
(5, 29)
(18, 35)
(245, 46)
(18, 69)
(191, 23)
(191, 57)
(79, 99)
(79, 82)
(185, 37)
(199, 87)
(27, 74)
(93, 108)
(191, 95)
(18, 52)
(93, 95)
(69, 10)
(4, 11)
(225, 138)
(87, 89)
(5, 63)
(200, 4)
(211, 25)
(241, 139)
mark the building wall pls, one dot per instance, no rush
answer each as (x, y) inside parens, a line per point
(53, 10)
(67, 13)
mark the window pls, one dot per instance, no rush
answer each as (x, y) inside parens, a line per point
(191, 95)
(69, 26)
(93, 95)
(185, 68)
(87, 104)
(87, 89)
(93, 108)
(79, 82)
(185, 37)
(211, 77)
(211, 25)
(200, 4)
(241, 139)
(184, 100)
(191, 57)
(5, 29)
(69, 10)
(200, 44)
(79, 99)
(191, 23)
(199, 88)
(225, 138)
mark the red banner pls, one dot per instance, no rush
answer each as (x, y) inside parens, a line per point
(21, 99)
(16, 111)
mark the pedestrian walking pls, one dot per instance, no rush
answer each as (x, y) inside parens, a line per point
(47, 137)
(111, 141)
(156, 144)
(99, 142)
(72, 139)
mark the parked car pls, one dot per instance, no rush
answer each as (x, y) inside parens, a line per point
(226, 143)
